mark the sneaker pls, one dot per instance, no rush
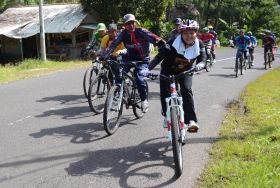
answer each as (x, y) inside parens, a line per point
(164, 122)
(214, 61)
(193, 127)
(145, 106)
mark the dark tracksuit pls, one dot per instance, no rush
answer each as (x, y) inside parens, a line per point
(137, 44)
(170, 66)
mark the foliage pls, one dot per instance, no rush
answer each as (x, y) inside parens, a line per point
(146, 11)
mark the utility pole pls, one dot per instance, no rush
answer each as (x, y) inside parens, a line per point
(42, 31)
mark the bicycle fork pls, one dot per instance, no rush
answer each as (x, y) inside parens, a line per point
(176, 102)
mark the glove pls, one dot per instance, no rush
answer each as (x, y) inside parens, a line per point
(145, 72)
(199, 66)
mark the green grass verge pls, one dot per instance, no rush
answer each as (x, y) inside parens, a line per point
(247, 153)
(32, 68)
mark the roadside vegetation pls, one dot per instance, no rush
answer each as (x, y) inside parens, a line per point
(32, 68)
(247, 152)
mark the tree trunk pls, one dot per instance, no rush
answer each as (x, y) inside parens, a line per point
(207, 13)
(218, 14)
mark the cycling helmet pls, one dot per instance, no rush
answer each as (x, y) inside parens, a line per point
(178, 21)
(241, 31)
(205, 30)
(210, 27)
(101, 27)
(189, 25)
(249, 33)
(113, 27)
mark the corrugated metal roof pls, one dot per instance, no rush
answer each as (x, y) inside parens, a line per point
(24, 22)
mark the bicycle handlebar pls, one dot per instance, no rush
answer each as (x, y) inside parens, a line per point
(172, 78)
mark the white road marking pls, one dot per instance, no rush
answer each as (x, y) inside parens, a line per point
(234, 57)
(19, 120)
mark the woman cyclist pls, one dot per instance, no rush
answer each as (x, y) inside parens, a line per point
(181, 54)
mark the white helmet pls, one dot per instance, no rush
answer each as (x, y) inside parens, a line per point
(189, 25)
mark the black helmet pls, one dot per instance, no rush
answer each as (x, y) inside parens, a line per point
(178, 21)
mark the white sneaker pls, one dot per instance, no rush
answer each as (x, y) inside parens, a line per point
(214, 61)
(193, 127)
(145, 106)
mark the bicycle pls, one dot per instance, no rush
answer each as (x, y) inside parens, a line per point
(240, 61)
(100, 85)
(125, 93)
(267, 59)
(175, 118)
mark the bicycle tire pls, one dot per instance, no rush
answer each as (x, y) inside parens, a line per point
(176, 145)
(250, 61)
(97, 96)
(265, 61)
(236, 67)
(207, 66)
(86, 79)
(136, 107)
(270, 60)
(241, 65)
(109, 127)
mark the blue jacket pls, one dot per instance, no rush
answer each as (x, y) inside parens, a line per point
(137, 44)
(253, 41)
(242, 42)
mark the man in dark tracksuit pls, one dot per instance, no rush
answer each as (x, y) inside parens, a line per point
(136, 40)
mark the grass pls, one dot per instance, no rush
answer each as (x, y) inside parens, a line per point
(247, 153)
(32, 68)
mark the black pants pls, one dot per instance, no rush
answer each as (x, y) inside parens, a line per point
(187, 95)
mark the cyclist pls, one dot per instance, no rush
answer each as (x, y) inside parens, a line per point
(175, 32)
(101, 31)
(214, 42)
(178, 55)
(268, 43)
(253, 41)
(242, 42)
(137, 41)
(207, 38)
(108, 39)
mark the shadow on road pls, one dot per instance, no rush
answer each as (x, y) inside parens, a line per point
(75, 112)
(65, 99)
(223, 75)
(82, 133)
(79, 133)
(135, 162)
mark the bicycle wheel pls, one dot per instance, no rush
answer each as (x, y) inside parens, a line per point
(265, 60)
(87, 77)
(97, 93)
(269, 60)
(241, 65)
(113, 110)
(137, 110)
(236, 67)
(176, 144)
(207, 65)
(249, 61)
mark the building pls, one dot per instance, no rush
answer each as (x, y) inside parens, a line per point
(68, 29)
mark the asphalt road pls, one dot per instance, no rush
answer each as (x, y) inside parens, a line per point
(50, 138)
